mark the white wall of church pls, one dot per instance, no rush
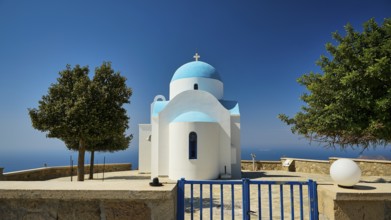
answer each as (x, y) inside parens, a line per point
(191, 100)
(225, 151)
(206, 166)
(155, 147)
(235, 145)
(213, 86)
(164, 147)
(144, 148)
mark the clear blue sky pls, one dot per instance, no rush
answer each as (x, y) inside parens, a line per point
(260, 48)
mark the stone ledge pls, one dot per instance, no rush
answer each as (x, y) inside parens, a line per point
(361, 191)
(46, 173)
(306, 160)
(85, 190)
(262, 161)
(363, 160)
(368, 167)
(364, 201)
(87, 200)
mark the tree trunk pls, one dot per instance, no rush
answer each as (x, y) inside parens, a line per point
(80, 161)
(92, 165)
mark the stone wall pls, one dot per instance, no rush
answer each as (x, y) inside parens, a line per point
(46, 173)
(310, 166)
(369, 201)
(261, 165)
(371, 167)
(368, 167)
(72, 209)
(87, 200)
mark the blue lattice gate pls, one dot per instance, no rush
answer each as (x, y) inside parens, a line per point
(247, 199)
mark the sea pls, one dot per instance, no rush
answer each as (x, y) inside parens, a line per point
(63, 157)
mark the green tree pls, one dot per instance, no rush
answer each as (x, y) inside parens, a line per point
(349, 104)
(114, 143)
(81, 111)
(111, 144)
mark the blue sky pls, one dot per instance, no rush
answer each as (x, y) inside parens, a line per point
(260, 48)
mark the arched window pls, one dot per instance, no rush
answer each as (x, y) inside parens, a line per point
(193, 145)
(196, 86)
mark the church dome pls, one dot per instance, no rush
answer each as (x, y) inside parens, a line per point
(197, 69)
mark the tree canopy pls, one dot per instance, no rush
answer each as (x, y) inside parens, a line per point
(87, 114)
(349, 104)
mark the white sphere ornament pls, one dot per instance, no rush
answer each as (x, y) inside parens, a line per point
(345, 172)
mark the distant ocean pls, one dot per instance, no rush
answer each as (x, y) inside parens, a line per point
(62, 157)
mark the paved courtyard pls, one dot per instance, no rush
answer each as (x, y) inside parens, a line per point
(226, 207)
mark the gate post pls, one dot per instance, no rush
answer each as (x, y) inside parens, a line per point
(312, 190)
(181, 199)
(246, 198)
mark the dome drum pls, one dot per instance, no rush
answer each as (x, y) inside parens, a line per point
(196, 75)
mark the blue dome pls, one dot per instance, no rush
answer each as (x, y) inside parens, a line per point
(196, 69)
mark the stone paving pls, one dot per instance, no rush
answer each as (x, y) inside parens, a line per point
(227, 205)
(264, 211)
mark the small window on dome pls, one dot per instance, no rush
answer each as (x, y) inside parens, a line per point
(196, 86)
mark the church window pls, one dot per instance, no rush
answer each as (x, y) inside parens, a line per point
(193, 145)
(196, 86)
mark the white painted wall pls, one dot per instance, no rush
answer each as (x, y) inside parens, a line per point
(144, 148)
(236, 171)
(202, 101)
(213, 86)
(164, 147)
(206, 166)
(155, 147)
(168, 135)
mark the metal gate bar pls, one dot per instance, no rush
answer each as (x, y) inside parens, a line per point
(246, 206)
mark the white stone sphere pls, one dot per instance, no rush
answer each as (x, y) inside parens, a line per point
(345, 172)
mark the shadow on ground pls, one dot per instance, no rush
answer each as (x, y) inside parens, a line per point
(127, 178)
(258, 174)
(216, 203)
(379, 180)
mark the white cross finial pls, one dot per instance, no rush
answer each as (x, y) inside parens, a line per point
(196, 56)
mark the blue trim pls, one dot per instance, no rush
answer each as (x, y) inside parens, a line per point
(231, 106)
(194, 116)
(158, 106)
(196, 69)
(181, 199)
(313, 193)
(246, 198)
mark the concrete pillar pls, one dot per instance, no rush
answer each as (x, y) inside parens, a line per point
(288, 164)
(363, 201)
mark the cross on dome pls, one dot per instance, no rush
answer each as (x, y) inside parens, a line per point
(196, 56)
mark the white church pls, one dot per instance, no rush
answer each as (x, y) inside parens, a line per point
(196, 133)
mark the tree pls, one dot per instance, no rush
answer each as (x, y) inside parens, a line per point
(80, 111)
(350, 103)
(114, 143)
(106, 86)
